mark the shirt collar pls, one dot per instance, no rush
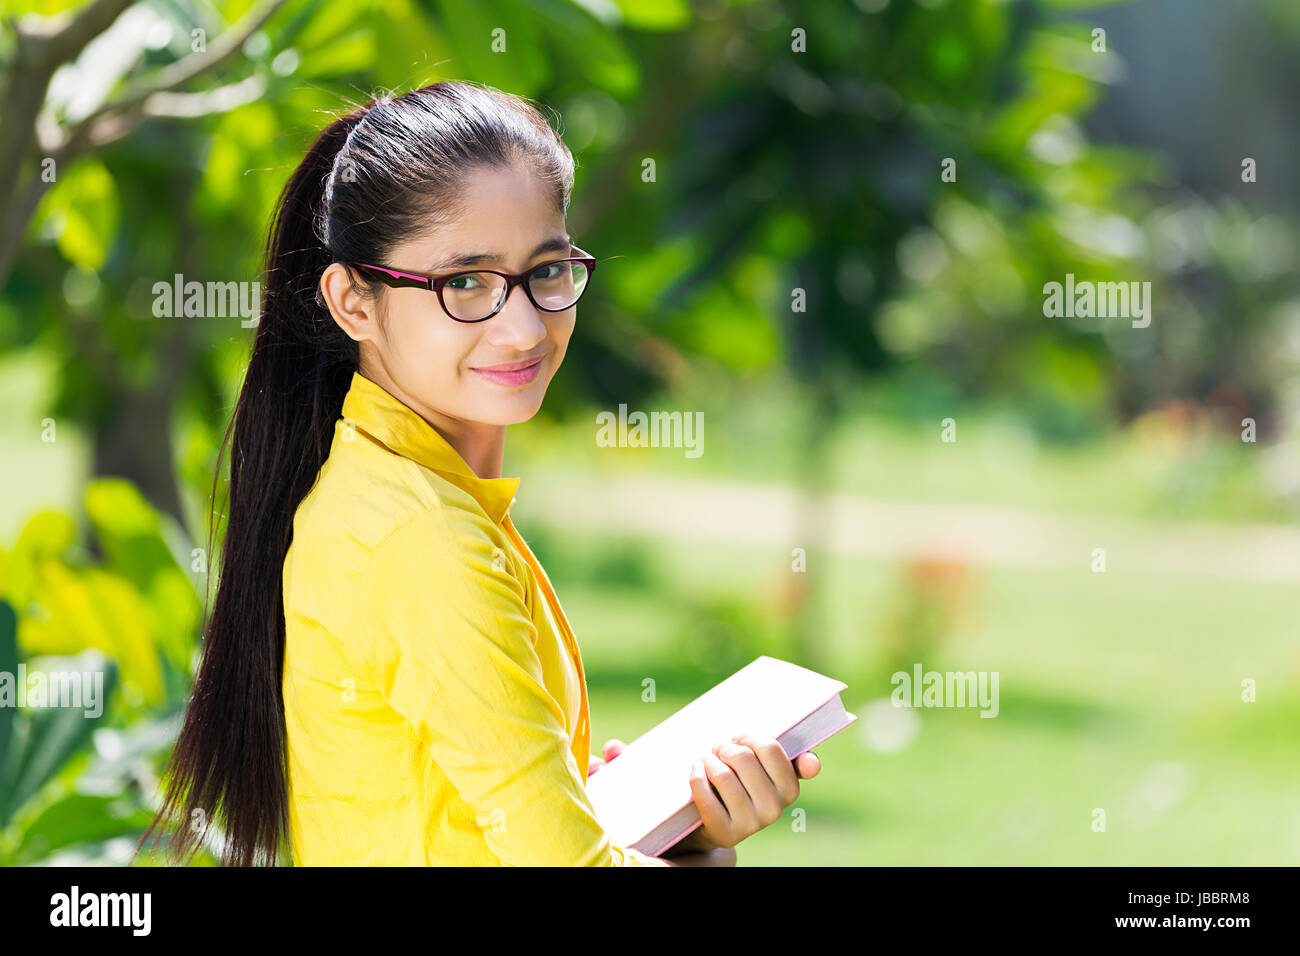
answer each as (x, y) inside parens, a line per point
(400, 429)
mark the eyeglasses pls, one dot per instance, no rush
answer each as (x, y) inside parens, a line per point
(477, 296)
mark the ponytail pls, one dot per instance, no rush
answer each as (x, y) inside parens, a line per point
(229, 762)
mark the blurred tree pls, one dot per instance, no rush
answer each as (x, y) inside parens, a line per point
(112, 84)
(41, 134)
(843, 189)
(839, 190)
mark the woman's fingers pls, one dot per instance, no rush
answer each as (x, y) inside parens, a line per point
(713, 813)
(731, 792)
(807, 765)
(754, 779)
(779, 768)
(612, 749)
(762, 804)
(739, 819)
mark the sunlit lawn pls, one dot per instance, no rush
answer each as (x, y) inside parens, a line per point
(1118, 691)
(1158, 469)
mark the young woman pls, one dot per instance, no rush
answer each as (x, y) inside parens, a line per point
(388, 677)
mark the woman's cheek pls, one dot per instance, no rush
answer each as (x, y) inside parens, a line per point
(561, 332)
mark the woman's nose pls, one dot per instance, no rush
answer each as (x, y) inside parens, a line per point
(519, 321)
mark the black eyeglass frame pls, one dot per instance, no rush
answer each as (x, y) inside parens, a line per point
(408, 280)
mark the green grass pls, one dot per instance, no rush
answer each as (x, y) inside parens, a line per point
(1117, 691)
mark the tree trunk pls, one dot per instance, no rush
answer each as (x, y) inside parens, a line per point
(136, 441)
(825, 409)
(136, 444)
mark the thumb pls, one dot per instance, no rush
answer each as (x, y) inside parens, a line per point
(807, 765)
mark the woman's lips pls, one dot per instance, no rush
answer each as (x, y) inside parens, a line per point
(519, 376)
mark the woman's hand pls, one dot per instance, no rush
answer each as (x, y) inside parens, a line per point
(612, 749)
(755, 782)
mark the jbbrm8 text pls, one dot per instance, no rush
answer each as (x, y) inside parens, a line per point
(1200, 899)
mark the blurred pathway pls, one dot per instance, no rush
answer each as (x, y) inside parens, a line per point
(773, 516)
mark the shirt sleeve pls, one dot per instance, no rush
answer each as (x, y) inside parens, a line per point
(453, 653)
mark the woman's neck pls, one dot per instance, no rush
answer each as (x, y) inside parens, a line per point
(481, 445)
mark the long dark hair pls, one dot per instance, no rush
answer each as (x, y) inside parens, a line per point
(385, 172)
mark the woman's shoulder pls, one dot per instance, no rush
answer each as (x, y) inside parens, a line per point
(365, 495)
(368, 518)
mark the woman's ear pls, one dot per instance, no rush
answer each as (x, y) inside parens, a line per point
(355, 313)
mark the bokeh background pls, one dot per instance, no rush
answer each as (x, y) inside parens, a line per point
(763, 184)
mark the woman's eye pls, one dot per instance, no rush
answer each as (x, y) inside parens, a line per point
(462, 282)
(548, 271)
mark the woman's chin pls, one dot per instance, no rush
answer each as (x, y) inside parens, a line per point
(515, 409)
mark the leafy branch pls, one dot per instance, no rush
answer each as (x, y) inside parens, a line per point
(42, 46)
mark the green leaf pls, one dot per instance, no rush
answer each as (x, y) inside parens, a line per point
(46, 738)
(128, 528)
(82, 212)
(131, 533)
(8, 666)
(78, 818)
(245, 132)
(655, 14)
(595, 51)
(476, 31)
(83, 608)
(320, 23)
(352, 53)
(46, 536)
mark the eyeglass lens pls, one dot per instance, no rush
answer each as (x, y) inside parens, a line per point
(554, 286)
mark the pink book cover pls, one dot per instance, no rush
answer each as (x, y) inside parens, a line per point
(649, 782)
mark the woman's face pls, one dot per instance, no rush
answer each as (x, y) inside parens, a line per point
(432, 362)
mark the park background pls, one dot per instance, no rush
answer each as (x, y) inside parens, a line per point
(795, 146)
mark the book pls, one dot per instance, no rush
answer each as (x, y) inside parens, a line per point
(643, 796)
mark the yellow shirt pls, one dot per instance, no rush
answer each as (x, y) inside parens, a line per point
(435, 702)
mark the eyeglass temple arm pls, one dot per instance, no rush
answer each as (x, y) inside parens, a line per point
(423, 280)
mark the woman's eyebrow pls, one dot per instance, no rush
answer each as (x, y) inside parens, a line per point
(554, 244)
